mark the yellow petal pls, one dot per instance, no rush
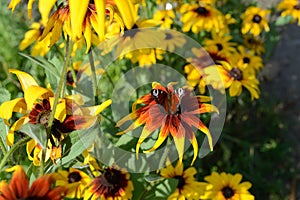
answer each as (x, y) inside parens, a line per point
(99, 24)
(29, 8)
(161, 138)
(77, 14)
(179, 143)
(45, 7)
(30, 37)
(144, 135)
(127, 11)
(96, 110)
(195, 147)
(32, 93)
(13, 3)
(10, 137)
(25, 79)
(29, 148)
(88, 37)
(8, 107)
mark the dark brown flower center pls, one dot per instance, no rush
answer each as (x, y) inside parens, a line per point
(236, 73)
(246, 60)
(69, 77)
(227, 192)
(43, 117)
(220, 46)
(181, 182)
(297, 7)
(41, 29)
(74, 177)
(201, 11)
(256, 18)
(131, 32)
(111, 183)
(168, 36)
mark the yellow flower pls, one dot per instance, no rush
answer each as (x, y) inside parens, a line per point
(74, 180)
(291, 8)
(145, 57)
(255, 44)
(201, 17)
(222, 42)
(36, 109)
(247, 59)
(227, 187)
(112, 184)
(187, 187)
(166, 16)
(172, 39)
(234, 77)
(41, 47)
(172, 111)
(255, 20)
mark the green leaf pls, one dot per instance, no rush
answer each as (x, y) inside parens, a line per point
(36, 132)
(4, 95)
(3, 131)
(281, 21)
(162, 190)
(80, 140)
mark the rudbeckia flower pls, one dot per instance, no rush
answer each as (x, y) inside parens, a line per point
(41, 47)
(166, 16)
(290, 8)
(187, 187)
(36, 107)
(255, 20)
(233, 76)
(248, 59)
(227, 187)
(74, 180)
(19, 188)
(172, 40)
(113, 183)
(145, 57)
(222, 42)
(201, 17)
(79, 20)
(254, 44)
(175, 112)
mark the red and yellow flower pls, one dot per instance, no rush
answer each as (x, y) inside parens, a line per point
(19, 188)
(175, 112)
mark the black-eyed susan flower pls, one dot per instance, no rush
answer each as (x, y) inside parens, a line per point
(194, 69)
(254, 44)
(82, 19)
(113, 183)
(255, 20)
(188, 187)
(36, 107)
(221, 41)
(225, 186)
(290, 8)
(174, 112)
(172, 40)
(19, 188)
(166, 16)
(248, 59)
(74, 180)
(233, 76)
(41, 47)
(198, 17)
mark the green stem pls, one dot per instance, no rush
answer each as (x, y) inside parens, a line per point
(3, 148)
(94, 79)
(12, 150)
(58, 94)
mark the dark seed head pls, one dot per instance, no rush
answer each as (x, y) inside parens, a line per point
(201, 11)
(227, 192)
(181, 182)
(220, 46)
(246, 60)
(236, 73)
(74, 177)
(256, 19)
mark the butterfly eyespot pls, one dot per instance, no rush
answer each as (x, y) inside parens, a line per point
(180, 92)
(155, 93)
